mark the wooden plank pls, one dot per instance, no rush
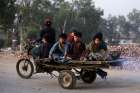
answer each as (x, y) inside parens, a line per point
(77, 62)
(73, 66)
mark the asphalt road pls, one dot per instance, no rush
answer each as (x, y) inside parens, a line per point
(118, 81)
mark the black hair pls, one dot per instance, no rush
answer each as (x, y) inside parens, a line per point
(48, 21)
(98, 35)
(78, 34)
(64, 36)
(74, 30)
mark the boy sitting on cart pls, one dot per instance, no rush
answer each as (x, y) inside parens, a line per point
(77, 47)
(97, 48)
(97, 51)
(60, 49)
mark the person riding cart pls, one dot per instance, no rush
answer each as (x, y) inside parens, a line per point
(97, 48)
(46, 40)
(48, 29)
(97, 51)
(70, 37)
(77, 47)
(60, 49)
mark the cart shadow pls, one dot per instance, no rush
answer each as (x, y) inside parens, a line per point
(98, 84)
(102, 85)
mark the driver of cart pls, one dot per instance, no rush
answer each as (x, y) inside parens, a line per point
(77, 47)
(48, 29)
(42, 51)
(60, 49)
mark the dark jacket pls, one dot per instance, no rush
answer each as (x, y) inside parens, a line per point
(76, 50)
(41, 51)
(51, 34)
(44, 50)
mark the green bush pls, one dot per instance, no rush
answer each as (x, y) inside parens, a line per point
(32, 33)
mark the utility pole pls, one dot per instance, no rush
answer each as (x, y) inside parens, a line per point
(14, 33)
(19, 23)
(21, 32)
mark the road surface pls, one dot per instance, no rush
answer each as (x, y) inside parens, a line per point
(118, 81)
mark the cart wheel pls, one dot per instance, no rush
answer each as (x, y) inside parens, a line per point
(25, 68)
(88, 76)
(67, 79)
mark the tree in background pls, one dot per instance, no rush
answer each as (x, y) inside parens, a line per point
(7, 16)
(27, 16)
(80, 14)
(122, 27)
(134, 21)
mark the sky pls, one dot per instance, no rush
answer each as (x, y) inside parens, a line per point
(117, 7)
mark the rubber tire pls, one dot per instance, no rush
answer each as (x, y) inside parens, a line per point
(88, 76)
(29, 63)
(62, 74)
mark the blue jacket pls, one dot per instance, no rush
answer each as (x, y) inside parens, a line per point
(57, 49)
